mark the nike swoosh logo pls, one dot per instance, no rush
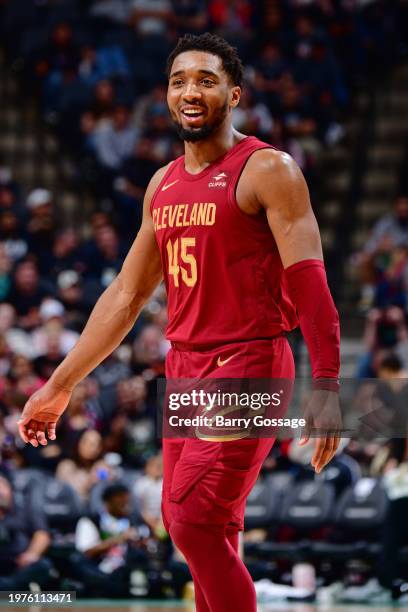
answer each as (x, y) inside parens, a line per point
(221, 362)
(169, 185)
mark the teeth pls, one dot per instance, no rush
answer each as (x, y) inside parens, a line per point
(192, 112)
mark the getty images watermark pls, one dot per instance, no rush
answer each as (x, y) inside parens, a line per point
(220, 409)
(227, 408)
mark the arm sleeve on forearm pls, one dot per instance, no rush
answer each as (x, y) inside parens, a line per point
(318, 317)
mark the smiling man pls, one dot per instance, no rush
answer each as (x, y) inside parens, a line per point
(230, 227)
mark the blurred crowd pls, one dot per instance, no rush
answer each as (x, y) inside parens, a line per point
(383, 269)
(96, 69)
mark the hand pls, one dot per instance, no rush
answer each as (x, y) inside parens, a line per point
(27, 558)
(41, 413)
(323, 418)
(129, 535)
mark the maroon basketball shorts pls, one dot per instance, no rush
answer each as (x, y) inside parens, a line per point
(208, 482)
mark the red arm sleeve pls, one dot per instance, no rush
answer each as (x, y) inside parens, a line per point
(319, 321)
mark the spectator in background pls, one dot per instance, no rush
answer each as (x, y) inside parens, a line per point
(111, 371)
(105, 255)
(273, 26)
(190, 16)
(27, 292)
(48, 361)
(150, 17)
(10, 197)
(101, 108)
(103, 63)
(299, 121)
(392, 287)
(389, 233)
(148, 491)
(395, 532)
(5, 356)
(65, 254)
(23, 376)
(130, 186)
(160, 134)
(87, 466)
(149, 351)
(17, 339)
(24, 540)
(5, 273)
(60, 55)
(13, 236)
(115, 11)
(270, 70)
(385, 330)
(109, 545)
(40, 225)
(252, 117)
(132, 429)
(71, 293)
(78, 417)
(114, 142)
(155, 101)
(232, 20)
(52, 317)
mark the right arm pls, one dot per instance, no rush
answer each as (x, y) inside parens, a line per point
(110, 321)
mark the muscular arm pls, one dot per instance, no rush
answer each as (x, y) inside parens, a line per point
(117, 308)
(110, 321)
(281, 191)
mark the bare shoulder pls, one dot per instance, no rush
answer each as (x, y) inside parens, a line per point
(272, 165)
(151, 190)
(277, 180)
(155, 180)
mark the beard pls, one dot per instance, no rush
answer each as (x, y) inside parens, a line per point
(204, 132)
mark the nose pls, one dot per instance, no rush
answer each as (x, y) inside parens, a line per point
(191, 92)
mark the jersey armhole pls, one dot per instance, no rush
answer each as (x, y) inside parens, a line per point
(172, 166)
(232, 190)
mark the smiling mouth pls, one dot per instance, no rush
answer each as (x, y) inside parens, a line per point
(191, 114)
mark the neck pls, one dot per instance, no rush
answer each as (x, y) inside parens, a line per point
(199, 155)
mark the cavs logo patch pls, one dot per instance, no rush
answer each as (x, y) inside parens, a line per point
(219, 180)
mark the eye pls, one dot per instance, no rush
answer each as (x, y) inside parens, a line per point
(177, 82)
(207, 82)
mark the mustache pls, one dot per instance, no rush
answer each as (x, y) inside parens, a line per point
(197, 134)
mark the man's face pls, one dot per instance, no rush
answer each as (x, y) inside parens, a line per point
(200, 95)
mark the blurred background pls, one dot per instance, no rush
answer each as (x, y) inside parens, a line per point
(83, 126)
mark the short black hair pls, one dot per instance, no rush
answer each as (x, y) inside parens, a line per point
(392, 362)
(117, 488)
(210, 43)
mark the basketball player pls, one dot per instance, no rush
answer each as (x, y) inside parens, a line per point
(230, 228)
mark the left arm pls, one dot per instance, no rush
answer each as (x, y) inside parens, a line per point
(40, 541)
(281, 190)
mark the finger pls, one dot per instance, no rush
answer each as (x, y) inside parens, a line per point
(319, 450)
(31, 432)
(327, 455)
(40, 435)
(22, 431)
(336, 442)
(52, 426)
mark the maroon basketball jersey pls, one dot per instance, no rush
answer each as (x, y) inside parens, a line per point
(222, 269)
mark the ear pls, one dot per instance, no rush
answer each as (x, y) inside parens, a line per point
(235, 96)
